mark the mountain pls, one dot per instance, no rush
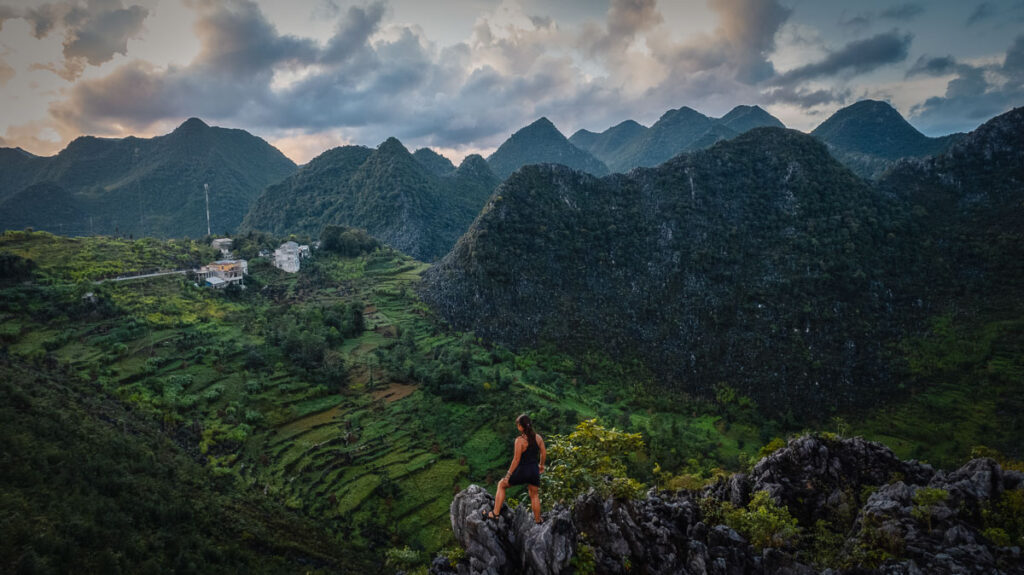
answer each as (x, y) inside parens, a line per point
(870, 135)
(609, 144)
(396, 196)
(436, 163)
(141, 186)
(629, 145)
(971, 200)
(755, 263)
(541, 143)
(745, 118)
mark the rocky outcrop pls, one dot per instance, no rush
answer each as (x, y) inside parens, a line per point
(859, 487)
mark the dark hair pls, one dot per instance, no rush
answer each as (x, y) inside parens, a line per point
(531, 436)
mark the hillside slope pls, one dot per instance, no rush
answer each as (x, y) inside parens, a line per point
(388, 191)
(141, 186)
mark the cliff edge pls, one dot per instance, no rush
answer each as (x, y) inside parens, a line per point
(890, 517)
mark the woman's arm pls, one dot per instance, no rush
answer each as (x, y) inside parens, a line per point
(517, 451)
(543, 452)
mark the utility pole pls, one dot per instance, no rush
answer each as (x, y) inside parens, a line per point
(206, 187)
(138, 189)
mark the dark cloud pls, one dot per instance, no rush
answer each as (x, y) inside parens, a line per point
(807, 98)
(238, 40)
(624, 21)
(737, 51)
(903, 12)
(926, 66)
(94, 31)
(326, 10)
(857, 21)
(7, 13)
(856, 57)
(542, 21)
(982, 11)
(97, 35)
(976, 94)
(45, 18)
(353, 32)
(749, 27)
(864, 20)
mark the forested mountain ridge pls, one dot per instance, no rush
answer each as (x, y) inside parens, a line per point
(398, 197)
(756, 263)
(541, 143)
(869, 136)
(141, 186)
(628, 145)
(971, 198)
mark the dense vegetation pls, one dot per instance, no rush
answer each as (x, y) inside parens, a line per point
(760, 264)
(396, 197)
(629, 145)
(541, 143)
(140, 187)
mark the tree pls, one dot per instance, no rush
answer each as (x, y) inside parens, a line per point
(592, 456)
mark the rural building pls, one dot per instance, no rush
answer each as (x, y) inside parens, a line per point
(223, 273)
(288, 256)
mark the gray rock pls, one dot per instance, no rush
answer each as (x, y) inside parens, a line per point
(817, 478)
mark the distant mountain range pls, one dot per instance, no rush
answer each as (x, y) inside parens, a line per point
(412, 201)
(629, 145)
(155, 186)
(139, 186)
(760, 263)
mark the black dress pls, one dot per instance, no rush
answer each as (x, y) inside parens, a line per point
(528, 470)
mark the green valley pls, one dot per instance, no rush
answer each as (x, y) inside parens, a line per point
(334, 397)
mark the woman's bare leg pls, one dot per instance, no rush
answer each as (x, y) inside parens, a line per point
(535, 501)
(499, 497)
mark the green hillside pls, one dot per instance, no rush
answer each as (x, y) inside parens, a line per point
(389, 192)
(141, 187)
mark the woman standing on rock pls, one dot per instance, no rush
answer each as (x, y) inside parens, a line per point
(528, 455)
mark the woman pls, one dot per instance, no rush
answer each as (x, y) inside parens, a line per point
(528, 455)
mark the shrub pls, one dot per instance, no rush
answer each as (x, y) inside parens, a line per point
(763, 522)
(591, 457)
(926, 499)
(771, 447)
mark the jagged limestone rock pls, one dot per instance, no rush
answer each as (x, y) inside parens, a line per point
(666, 532)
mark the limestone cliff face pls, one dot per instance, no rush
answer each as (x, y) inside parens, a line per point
(860, 486)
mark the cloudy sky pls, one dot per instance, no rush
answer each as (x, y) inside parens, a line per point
(461, 75)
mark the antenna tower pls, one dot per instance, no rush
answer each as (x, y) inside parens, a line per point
(206, 187)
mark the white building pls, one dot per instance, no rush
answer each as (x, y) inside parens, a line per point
(287, 256)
